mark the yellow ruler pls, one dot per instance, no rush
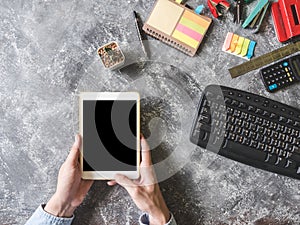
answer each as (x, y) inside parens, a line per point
(265, 59)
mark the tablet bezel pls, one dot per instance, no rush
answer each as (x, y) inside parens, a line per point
(109, 175)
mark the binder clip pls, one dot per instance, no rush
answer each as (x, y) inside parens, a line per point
(237, 11)
(218, 7)
(286, 17)
(254, 20)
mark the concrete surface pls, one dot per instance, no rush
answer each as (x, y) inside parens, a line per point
(48, 54)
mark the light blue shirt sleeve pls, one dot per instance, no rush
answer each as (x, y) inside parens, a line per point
(41, 217)
(144, 220)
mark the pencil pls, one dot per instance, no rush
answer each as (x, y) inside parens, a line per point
(136, 18)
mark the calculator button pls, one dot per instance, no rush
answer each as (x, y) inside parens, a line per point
(272, 87)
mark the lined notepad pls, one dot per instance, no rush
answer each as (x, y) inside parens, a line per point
(177, 26)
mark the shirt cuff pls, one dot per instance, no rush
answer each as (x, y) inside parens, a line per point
(40, 216)
(144, 220)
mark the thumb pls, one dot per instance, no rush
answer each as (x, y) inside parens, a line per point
(124, 181)
(74, 153)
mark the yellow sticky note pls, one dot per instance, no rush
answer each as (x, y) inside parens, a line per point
(238, 48)
(185, 39)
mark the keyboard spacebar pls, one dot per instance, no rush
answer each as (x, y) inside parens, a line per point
(232, 149)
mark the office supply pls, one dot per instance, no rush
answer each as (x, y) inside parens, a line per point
(110, 128)
(254, 20)
(265, 59)
(286, 18)
(237, 11)
(188, 6)
(250, 129)
(281, 74)
(177, 26)
(239, 46)
(111, 55)
(218, 7)
(137, 25)
(199, 9)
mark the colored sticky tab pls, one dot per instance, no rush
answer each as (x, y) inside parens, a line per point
(250, 52)
(185, 39)
(227, 42)
(245, 47)
(196, 19)
(234, 42)
(192, 25)
(178, 1)
(191, 33)
(239, 46)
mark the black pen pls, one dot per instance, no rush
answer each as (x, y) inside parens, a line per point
(139, 32)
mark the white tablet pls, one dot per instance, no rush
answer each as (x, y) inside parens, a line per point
(110, 129)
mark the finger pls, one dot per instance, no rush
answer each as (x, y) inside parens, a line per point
(124, 182)
(74, 153)
(146, 155)
(111, 182)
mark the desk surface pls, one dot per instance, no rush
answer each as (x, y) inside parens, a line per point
(48, 54)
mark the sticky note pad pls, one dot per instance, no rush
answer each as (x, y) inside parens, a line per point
(239, 46)
(190, 29)
(177, 25)
(165, 9)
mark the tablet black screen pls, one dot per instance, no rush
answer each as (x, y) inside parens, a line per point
(109, 135)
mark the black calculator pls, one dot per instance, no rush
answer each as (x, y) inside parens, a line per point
(281, 74)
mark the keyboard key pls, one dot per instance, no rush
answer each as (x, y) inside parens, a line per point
(281, 162)
(282, 119)
(204, 119)
(251, 108)
(288, 163)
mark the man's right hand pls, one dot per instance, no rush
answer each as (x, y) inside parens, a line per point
(145, 191)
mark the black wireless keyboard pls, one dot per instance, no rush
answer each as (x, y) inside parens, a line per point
(250, 129)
